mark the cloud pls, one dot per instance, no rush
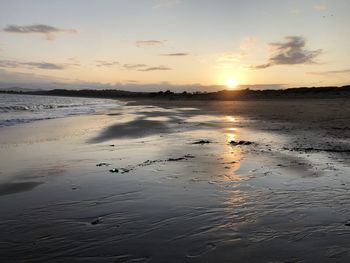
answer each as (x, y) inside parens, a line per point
(175, 54)
(32, 65)
(290, 52)
(134, 66)
(29, 80)
(155, 68)
(261, 66)
(50, 32)
(102, 63)
(128, 81)
(248, 46)
(44, 65)
(320, 7)
(228, 58)
(145, 43)
(144, 67)
(331, 72)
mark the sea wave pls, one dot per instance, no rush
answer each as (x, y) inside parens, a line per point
(16, 109)
(11, 108)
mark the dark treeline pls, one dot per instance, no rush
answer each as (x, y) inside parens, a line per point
(247, 94)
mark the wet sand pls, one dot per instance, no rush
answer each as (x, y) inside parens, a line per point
(161, 182)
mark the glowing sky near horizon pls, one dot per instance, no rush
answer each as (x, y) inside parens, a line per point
(175, 42)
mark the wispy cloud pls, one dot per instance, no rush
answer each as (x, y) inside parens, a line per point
(130, 66)
(50, 32)
(248, 44)
(165, 3)
(247, 47)
(320, 7)
(144, 67)
(331, 72)
(229, 58)
(175, 54)
(260, 66)
(32, 65)
(102, 63)
(290, 52)
(131, 81)
(134, 66)
(145, 43)
(155, 68)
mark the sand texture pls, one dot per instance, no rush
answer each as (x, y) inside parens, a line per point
(263, 181)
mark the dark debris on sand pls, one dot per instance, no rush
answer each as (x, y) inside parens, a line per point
(185, 157)
(103, 164)
(202, 142)
(96, 221)
(150, 162)
(126, 170)
(312, 149)
(235, 143)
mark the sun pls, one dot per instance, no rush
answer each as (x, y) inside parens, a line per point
(231, 83)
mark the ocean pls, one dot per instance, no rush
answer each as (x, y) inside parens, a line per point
(16, 109)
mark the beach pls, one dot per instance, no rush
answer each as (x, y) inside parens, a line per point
(179, 181)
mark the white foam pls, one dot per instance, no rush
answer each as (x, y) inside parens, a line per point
(15, 109)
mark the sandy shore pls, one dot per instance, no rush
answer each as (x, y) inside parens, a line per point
(161, 182)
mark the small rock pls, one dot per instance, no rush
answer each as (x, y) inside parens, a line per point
(114, 170)
(175, 159)
(112, 145)
(149, 162)
(232, 162)
(189, 156)
(201, 142)
(185, 157)
(102, 164)
(347, 224)
(240, 143)
(96, 221)
(125, 170)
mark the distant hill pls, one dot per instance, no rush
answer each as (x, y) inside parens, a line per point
(19, 89)
(246, 94)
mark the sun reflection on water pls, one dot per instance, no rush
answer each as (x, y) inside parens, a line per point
(231, 134)
(235, 198)
(231, 119)
(231, 156)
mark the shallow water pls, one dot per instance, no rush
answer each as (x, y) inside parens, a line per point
(17, 109)
(172, 200)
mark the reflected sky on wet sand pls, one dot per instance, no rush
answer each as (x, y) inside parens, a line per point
(182, 192)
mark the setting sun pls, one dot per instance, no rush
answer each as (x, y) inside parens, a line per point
(231, 83)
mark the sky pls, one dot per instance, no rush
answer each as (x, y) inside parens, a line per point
(150, 45)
